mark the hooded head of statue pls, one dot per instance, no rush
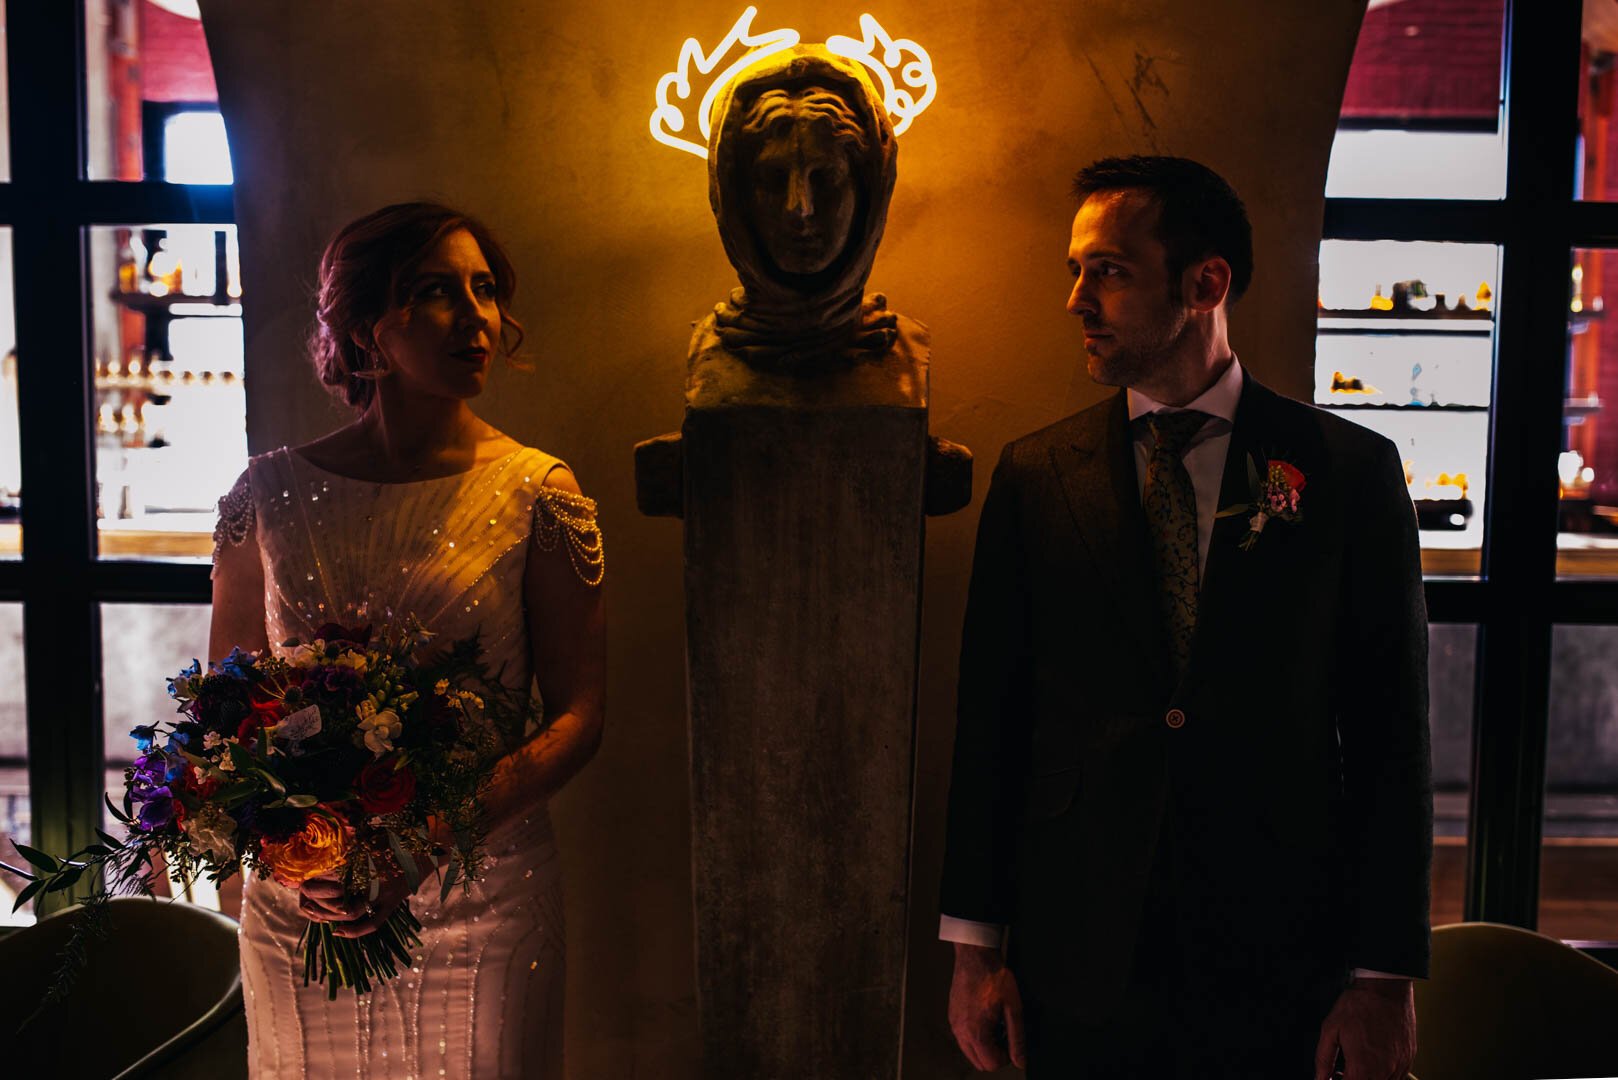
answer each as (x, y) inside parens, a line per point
(801, 166)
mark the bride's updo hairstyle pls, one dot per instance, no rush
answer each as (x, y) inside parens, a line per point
(364, 273)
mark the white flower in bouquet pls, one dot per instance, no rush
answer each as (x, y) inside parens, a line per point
(211, 831)
(379, 728)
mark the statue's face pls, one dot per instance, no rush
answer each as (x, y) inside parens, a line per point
(803, 197)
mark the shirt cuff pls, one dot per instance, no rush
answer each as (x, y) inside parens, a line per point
(1367, 973)
(967, 932)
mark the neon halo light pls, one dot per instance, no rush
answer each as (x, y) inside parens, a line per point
(903, 105)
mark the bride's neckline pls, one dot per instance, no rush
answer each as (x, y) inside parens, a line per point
(304, 461)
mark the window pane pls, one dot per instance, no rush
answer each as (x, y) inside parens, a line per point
(1587, 467)
(1597, 173)
(1452, 669)
(1421, 114)
(1578, 887)
(10, 443)
(5, 103)
(141, 646)
(14, 814)
(171, 413)
(1405, 346)
(152, 111)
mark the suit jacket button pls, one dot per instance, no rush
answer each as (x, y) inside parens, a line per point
(1175, 719)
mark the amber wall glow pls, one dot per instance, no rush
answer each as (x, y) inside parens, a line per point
(534, 116)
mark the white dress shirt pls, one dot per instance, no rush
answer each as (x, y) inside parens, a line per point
(1204, 458)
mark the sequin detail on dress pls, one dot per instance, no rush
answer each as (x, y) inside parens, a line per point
(235, 516)
(564, 516)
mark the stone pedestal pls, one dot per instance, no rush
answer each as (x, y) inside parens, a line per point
(804, 501)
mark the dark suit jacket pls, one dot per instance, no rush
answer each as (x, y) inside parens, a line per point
(1296, 787)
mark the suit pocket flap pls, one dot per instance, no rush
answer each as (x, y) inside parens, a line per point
(1051, 793)
(1057, 749)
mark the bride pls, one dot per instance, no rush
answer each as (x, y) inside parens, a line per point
(420, 509)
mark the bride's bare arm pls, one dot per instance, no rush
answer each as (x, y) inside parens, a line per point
(567, 638)
(238, 598)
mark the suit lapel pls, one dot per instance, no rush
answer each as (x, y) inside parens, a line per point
(1097, 472)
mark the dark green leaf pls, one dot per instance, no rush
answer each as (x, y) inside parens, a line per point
(1253, 476)
(407, 862)
(118, 814)
(27, 893)
(240, 758)
(302, 802)
(19, 871)
(449, 881)
(37, 857)
(111, 841)
(65, 880)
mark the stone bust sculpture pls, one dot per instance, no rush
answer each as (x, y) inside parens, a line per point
(801, 167)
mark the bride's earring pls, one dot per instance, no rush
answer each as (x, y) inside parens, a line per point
(376, 366)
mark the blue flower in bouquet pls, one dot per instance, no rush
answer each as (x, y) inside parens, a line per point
(181, 683)
(178, 741)
(156, 810)
(144, 735)
(235, 665)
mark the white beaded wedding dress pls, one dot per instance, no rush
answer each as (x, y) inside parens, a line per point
(483, 998)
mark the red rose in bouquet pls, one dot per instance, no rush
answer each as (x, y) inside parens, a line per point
(386, 785)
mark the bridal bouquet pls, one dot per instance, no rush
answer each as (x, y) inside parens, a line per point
(319, 764)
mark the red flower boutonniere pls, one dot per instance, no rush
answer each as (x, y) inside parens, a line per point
(1276, 496)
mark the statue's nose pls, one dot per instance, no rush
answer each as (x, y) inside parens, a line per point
(800, 200)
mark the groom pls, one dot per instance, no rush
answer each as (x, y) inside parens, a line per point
(1191, 772)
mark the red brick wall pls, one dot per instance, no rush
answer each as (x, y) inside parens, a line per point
(174, 57)
(1427, 59)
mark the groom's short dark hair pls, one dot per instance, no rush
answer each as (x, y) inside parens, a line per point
(1199, 213)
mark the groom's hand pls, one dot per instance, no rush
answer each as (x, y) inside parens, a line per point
(985, 1009)
(1374, 1025)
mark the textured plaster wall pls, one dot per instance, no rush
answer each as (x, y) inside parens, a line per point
(533, 115)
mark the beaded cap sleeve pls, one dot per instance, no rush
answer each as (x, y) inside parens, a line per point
(236, 518)
(563, 517)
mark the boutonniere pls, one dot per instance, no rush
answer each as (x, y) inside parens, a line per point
(1276, 496)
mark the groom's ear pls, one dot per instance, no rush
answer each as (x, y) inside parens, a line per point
(1207, 283)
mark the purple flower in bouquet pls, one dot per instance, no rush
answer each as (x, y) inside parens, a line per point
(156, 810)
(150, 770)
(334, 684)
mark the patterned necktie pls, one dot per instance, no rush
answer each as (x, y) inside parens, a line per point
(1170, 503)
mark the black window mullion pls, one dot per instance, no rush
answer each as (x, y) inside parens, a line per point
(126, 202)
(1460, 221)
(1519, 553)
(61, 626)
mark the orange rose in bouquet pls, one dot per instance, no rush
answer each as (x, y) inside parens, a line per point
(320, 847)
